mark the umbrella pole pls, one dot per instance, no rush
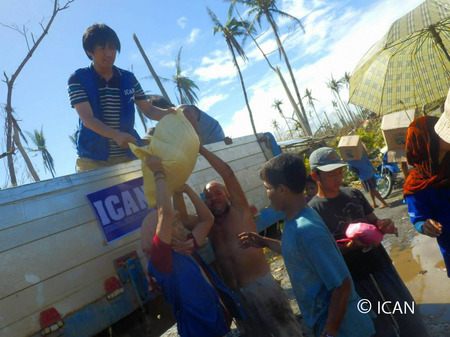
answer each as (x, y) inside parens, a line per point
(438, 40)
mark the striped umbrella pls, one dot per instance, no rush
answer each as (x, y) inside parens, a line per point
(410, 66)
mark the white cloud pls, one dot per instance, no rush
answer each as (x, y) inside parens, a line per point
(261, 100)
(167, 64)
(207, 102)
(193, 36)
(268, 46)
(182, 22)
(218, 65)
(332, 45)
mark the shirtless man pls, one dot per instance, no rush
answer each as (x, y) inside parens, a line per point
(245, 271)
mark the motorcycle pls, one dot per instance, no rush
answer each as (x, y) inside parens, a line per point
(385, 176)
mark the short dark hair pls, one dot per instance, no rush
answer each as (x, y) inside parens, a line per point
(161, 102)
(285, 169)
(99, 34)
(309, 179)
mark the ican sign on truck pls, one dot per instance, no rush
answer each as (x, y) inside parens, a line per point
(70, 252)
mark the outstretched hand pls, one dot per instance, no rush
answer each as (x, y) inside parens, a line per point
(123, 138)
(432, 228)
(251, 239)
(387, 227)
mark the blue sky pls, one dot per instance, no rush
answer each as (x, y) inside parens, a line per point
(337, 34)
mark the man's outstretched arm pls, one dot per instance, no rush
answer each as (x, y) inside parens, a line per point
(237, 195)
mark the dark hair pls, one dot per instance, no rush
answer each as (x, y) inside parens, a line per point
(309, 179)
(285, 169)
(161, 102)
(99, 34)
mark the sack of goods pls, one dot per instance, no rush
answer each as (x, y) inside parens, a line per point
(176, 143)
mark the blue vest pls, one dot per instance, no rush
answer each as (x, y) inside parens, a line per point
(195, 303)
(89, 143)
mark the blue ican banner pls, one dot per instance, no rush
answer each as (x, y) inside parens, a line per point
(120, 209)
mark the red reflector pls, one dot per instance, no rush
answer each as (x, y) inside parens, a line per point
(112, 284)
(49, 317)
(253, 209)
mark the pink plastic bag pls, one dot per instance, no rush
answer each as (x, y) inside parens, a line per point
(366, 233)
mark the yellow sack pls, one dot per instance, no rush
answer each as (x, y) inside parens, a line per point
(176, 143)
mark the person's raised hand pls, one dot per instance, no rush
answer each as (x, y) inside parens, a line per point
(228, 141)
(154, 163)
(171, 110)
(432, 228)
(183, 189)
(183, 247)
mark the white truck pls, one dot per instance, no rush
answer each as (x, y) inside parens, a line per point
(59, 276)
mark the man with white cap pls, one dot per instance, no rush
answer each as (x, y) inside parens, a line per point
(427, 188)
(374, 276)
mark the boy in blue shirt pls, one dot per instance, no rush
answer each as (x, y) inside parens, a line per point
(366, 173)
(319, 277)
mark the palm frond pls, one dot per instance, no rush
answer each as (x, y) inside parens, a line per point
(177, 61)
(290, 17)
(218, 25)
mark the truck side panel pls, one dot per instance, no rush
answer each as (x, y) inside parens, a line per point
(52, 251)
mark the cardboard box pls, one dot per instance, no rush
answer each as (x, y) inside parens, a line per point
(397, 156)
(394, 128)
(351, 148)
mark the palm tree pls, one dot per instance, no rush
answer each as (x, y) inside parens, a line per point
(276, 128)
(267, 9)
(340, 116)
(277, 105)
(13, 132)
(346, 80)
(38, 139)
(184, 84)
(300, 122)
(74, 136)
(335, 86)
(230, 31)
(310, 102)
(152, 70)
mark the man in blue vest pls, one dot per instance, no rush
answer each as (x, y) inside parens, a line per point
(103, 96)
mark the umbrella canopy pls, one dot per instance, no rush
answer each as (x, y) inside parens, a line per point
(410, 66)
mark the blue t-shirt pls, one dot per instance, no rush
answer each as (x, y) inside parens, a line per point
(433, 204)
(363, 168)
(209, 129)
(195, 302)
(316, 267)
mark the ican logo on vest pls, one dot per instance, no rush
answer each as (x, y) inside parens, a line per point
(128, 92)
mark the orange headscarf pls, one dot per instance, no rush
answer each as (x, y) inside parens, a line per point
(422, 152)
